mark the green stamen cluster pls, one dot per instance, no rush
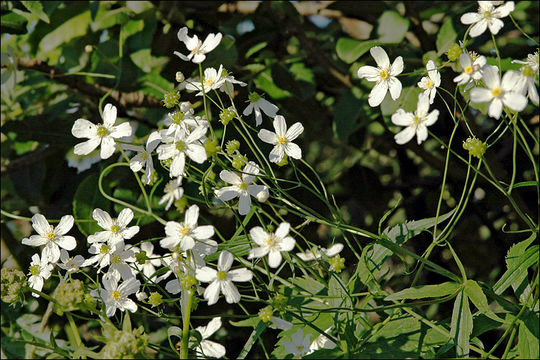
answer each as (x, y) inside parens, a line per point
(177, 117)
(475, 147)
(141, 257)
(239, 161)
(69, 295)
(265, 314)
(254, 97)
(232, 146)
(227, 115)
(12, 285)
(454, 52)
(155, 299)
(211, 146)
(188, 281)
(527, 71)
(171, 98)
(337, 263)
(181, 204)
(125, 344)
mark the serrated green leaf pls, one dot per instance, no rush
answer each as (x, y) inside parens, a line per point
(349, 50)
(461, 325)
(446, 36)
(514, 273)
(479, 299)
(521, 284)
(425, 291)
(392, 27)
(86, 199)
(36, 8)
(72, 28)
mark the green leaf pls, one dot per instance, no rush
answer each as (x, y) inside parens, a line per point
(407, 101)
(347, 111)
(515, 272)
(255, 334)
(265, 82)
(392, 27)
(249, 322)
(446, 36)
(36, 8)
(349, 50)
(148, 63)
(308, 284)
(72, 28)
(107, 18)
(528, 336)
(13, 23)
(425, 291)
(521, 284)
(257, 47)
(86, 199)
(131, 27)
(479, 299)
(461, 325)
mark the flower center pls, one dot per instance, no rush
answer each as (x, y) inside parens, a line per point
(180, 145)
(487, 14)
(104, 249)
(50, 235)
(417, 120)
(281, 140)
(243, 186)
(144, 156)
(115, 259)
(384, 74)
(209, 82)
(34, 269)
(468, 69)
(102, 131)
(496, 92)
(254, 97)
(300, 348)
(221, 275)
(527, 71)
(184, 230)
(177, 117)
(116, 295)
(115, 229)
(429, 84)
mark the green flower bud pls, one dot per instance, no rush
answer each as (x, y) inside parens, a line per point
(454, 52)
(69, 295)
(211, 146)
(188, 281)
(12, 286)
(227, 115)
(181, 204)
(171, 98)
(265, 314)
(232, 146)
(475, 147)
(527, 71)
(337, 263)
(141, 257)
(155, 299)
(125, 344)
(239, 161)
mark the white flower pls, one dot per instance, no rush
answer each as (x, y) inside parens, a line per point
(300, 344)
(499, 92)
(119, 266)
(431, 82)
(532, 62)
(222, 279)
(322, 342)
(258, 103)
(212, 80)
(40, 269)
(416, 123)
(282, 139)
(241, 187)
(173, 191)
(143, 159)
(206, 347)
(116, 231)
(116, 296)
(102, 254)
(71, 264)
(53, 238)
(315, 253)
(384, 75)
(80, 162)
(487, 17)
(271, 244)
(179, 145)
(228, 83)
(472, 69)
(185, 233)
(103, 134)
(197, 48)
(527, 82)
(148, 268)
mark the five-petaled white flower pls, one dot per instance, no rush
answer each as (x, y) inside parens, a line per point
(527, 81)
(151, 261)
(143, 159)
(206, 347)
(532, 62)
(53, 238)
(71, 264)
(472, 69)
(316, 253)
(242, 187)
(173, 191)
(228, 83)
(384, 75)
(499, 92)
(431, 82)
(116, 296)
(40, 269)
(282, 139)
(271, 244)
(300, 344)
(185, 233)
(487, 17)
(179, 145)
(197, 48)
(222, 279)
(103, 134)
(212, 80)
(258, 103)
(416, 123)
(116, 231)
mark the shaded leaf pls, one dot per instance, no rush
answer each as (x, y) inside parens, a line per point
(72, 28)
(36, 8)
(86, 199)
(462, 324)
(515, 273)
(479, 299)
(528, 336)
(425, 291)
(446, 37)
(392, 27)
(349, 50)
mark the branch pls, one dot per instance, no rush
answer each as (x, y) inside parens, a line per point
(126, 100)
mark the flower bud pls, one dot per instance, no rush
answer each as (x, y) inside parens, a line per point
(265, 314)
(453, 52)
(155, 299)
(141, 295)
(211, 146)
(239, 161)
(232, 146)
(475, 147)
(12, 285)
(263, 195)
(69, 295)
(180, 77)
(171, 98)
(337, 263)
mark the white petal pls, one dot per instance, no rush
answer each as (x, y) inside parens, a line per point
(334, 250)
(244, 204)
(125, 217)
(495, 108)
(130, 232)
(395, 88)
(287, 244)
(504, 10)
(103, 219)
(258, 252)
(198, 58)
(268, 108)
(196, 153)
(277, 153)
(87, 147)
(402, 118)
(231, 293)
(380, 56)
(280, 126)
(377, 94)
(258, 235)
(421, 134)
(294, 131)
(470, 18)
(227, 193)
(293, 150)
(405, 135)
(248, 110)
(35, 240)
(84, 129)
(267, 136)
(431, 118)
(187, 243)
(66, 242)
(240, 275)
(210, 43)
(122, 130)
(192, 215)
(40, 224)
(205, 274)
(480, 95)
(212, 349)
(212, 327)
(230, 177)
(169, 242)
(510, 79)
(225, 260)
(369, 72)
(515, 101)
(109, 115)
(108, 146)
(212, 293)
(51, 252)
(397, 66)
(495, 25)
(422, 106)
(130, 305)
(203, 232)
(283, 230)
(274, 258)
(478, 28)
